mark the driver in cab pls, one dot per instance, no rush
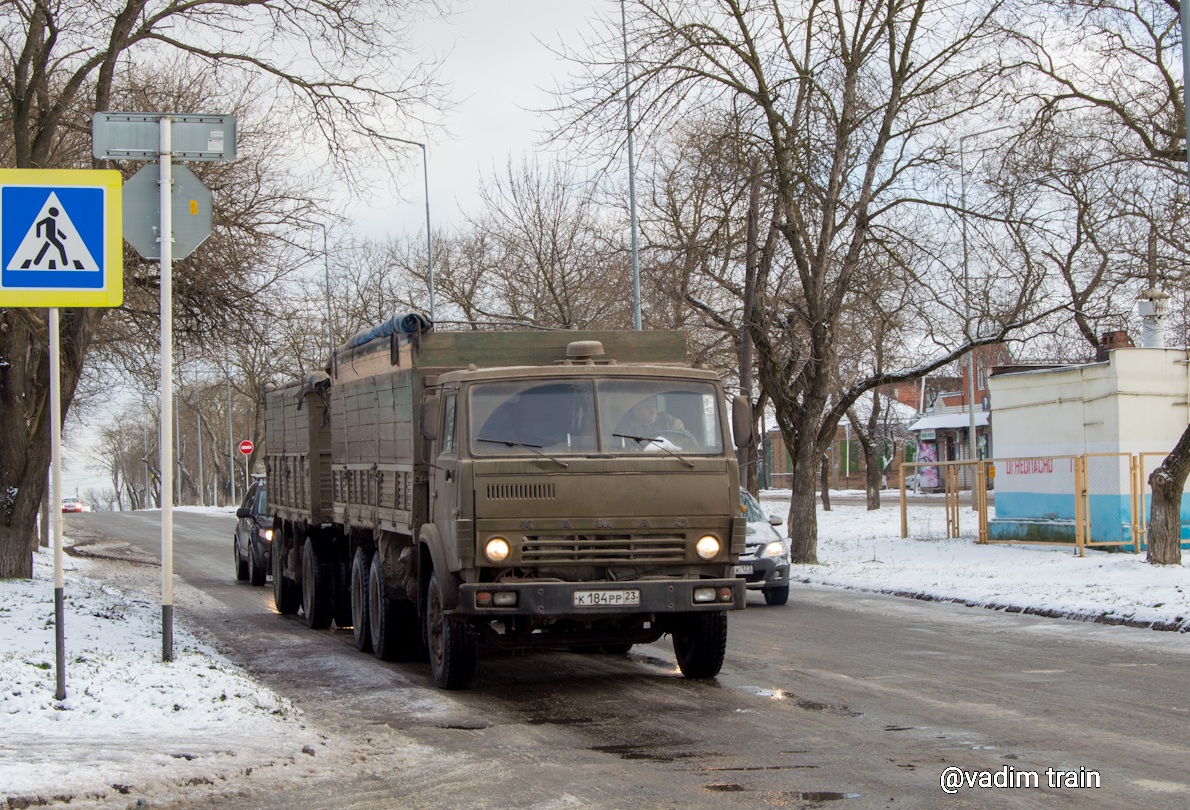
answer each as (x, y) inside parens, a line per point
(644, 419)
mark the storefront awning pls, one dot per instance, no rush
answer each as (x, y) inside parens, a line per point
(943, 421)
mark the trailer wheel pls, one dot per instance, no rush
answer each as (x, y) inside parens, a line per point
(360, 575)
(395, 632)
(452, 643)
(286, 594)
(342, 585)
(317, 588)
(700, 642)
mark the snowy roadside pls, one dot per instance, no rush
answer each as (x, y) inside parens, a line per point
(127, 717)
(863, 550)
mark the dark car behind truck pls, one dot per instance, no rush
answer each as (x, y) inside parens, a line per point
(437, 490)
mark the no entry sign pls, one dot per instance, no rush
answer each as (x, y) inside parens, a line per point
(246, 447)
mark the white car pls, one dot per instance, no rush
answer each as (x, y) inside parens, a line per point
(74, 505)
(765, 561)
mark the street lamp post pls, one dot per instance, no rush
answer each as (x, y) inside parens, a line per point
(636, 320)
(967, 286)
(425, 170)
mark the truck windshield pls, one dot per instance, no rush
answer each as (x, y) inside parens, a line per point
(558, 417)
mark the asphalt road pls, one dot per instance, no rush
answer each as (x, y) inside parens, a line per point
(838, 699)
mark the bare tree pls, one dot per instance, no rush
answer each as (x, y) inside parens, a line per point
(854, 109)
(343, 77)
(1117, 66)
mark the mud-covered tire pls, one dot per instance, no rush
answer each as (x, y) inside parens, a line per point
(318, 588)
(255, 572)
(700, 642)
(361, 628)
(241, 565)
(452, 643)
(287, 596)
(776, 596)
(395, 631)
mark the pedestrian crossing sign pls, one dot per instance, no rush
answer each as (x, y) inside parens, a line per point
(61, 242)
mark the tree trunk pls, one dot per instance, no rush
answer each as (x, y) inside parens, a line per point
(872, 476)
(803, 514)
(1165, 518)
(824, 482)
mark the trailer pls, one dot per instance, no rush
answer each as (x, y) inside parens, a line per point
(530, 490)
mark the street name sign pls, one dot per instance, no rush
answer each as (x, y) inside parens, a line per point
(137, 136)
(190, 201)
(60, 238)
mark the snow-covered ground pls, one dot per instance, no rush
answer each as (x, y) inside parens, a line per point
(130, 719)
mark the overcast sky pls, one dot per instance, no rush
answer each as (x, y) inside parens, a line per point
(498, 59)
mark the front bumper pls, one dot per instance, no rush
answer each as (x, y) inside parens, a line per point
(766, 573)
(557, 599)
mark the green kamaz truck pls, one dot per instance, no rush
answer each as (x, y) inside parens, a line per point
(438, 490)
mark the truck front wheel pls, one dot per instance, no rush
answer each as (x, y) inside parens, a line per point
(452, 643)
(700, 642)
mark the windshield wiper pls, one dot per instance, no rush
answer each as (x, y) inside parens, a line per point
(533, 448)
(658, 442)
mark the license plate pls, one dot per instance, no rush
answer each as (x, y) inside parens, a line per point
(741, 570)
(606, 598)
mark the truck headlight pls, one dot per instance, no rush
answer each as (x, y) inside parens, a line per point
(707, 546)
(774, 549)
(497, 549)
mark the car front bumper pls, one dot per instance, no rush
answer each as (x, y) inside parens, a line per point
(766, 573)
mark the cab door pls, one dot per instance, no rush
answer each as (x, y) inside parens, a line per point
(444, 488)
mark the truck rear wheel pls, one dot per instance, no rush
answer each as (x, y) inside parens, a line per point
(452, 643)
(700, 642)
(395, 632)
(286, 594)
(318, 597)
(360, 626)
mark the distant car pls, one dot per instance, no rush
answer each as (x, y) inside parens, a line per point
(253, 543)
(74, 505)
(765, 561)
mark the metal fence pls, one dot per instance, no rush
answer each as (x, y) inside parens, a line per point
(1094, 500)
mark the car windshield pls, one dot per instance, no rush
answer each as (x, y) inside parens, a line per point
(262, 506)
(751, 507)
(559, 417)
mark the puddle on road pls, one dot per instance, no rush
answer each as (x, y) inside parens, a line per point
(559, 721)
(803, 703)
(724, 788)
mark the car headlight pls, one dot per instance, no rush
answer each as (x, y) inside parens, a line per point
(497, 549)
(773, 549)
(266, 534)
(707, 546)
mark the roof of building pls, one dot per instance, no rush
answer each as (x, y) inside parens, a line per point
(937, 421)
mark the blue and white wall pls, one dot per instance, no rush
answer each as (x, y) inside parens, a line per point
(1135, 402)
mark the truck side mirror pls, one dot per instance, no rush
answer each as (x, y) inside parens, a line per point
(741, 420)
(429, 417)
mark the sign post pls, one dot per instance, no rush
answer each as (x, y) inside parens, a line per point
(148, 136)
(60, 245)
(246, 448)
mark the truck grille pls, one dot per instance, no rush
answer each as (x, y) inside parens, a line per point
(520, 492)
(602, 548)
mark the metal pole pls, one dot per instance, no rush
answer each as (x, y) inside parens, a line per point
(198, 431)
(326, 271)
(56, 497)
(425, 170)
(636, 320)
(967, 302)
(1186, 72)
(231, 449)
(167, 374)
(145, 438)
